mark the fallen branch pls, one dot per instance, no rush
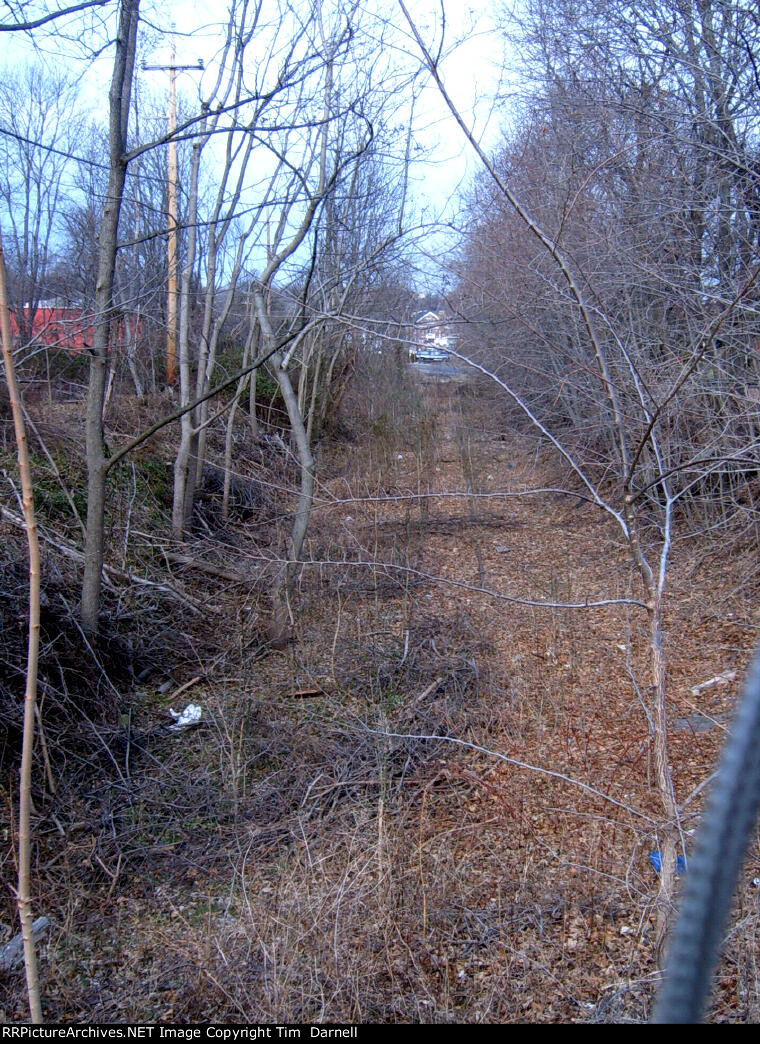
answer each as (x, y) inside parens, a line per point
(433, 578)
(12, 954)
(206, 567)
(586, 787)
(78, 556)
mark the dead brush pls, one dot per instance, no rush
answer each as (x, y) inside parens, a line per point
(326, 922)
(432, 929)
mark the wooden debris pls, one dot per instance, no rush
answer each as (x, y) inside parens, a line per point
(205, 567)
(719, 679)
(12, 954)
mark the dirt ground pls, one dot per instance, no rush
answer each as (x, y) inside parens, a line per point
(437, 803)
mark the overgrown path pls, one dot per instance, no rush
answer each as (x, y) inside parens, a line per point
(559, 693)
(437, 803)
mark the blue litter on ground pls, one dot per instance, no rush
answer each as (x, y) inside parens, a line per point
(656, 860)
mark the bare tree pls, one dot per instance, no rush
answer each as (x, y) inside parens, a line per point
(37, 135)
(616, 283)
(359, 239)
(324, 198)
(240, 140)
(316, 118)
(24, 894)
(97, 466)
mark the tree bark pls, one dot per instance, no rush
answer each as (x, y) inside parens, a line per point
(668, 838)
(97, 462)
(184, 464)
(24, 897)
(282, 587)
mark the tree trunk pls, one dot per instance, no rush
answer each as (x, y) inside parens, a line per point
(283, 584)
(282, 587)
(184, 464)
(119, 103)
(239, 392)
(314, 399)
(24, 895)
(668, 835)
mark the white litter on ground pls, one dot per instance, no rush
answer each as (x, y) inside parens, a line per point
(190, 716)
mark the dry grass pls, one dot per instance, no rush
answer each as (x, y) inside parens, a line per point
(305, 855)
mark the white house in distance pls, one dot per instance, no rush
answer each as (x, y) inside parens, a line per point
(430, 337)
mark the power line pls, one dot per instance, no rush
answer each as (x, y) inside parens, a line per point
(52, 149)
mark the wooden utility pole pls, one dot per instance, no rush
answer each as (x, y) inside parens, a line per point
(172, 212)
(173, 217)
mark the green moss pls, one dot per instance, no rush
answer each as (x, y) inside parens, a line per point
(50, 500)
(267, 388)
(151, 477)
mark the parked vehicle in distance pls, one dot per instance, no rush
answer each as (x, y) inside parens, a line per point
(427, 355)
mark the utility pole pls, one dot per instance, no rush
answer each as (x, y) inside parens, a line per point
(172, 211)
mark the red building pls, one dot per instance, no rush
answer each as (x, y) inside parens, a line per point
(56, 325)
